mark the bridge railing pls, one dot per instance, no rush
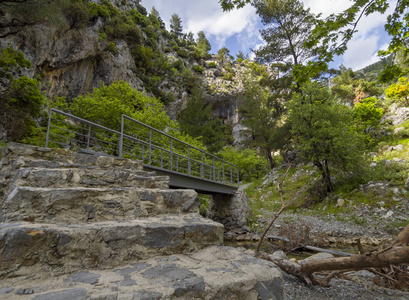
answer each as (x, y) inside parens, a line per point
(137, 140)
(161, 150)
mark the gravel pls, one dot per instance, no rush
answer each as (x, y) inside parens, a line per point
(340, 289)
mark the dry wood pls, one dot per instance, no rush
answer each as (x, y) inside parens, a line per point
(397, 253)
(279, 187)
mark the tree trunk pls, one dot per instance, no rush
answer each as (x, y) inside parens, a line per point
(397, 253)
(270, 158)
(326, 176)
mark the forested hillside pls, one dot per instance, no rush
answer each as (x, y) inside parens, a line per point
(342, 136)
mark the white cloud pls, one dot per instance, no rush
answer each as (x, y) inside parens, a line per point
(326, 7)
(207, 16)
(362, 52)
(243, 25)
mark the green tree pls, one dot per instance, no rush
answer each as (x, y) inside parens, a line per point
(196, 120)
(203, 45)
(399, 92)
(288, 27)
(176, 26)
(251, 165)
(105, 106)
(21, 100)
(261, 114)
(322, 133)
(348, 88)
(367, 115)
(222, 53)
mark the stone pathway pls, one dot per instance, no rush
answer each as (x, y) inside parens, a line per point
(212, 273)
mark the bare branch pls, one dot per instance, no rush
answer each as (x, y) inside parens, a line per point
(279, 187)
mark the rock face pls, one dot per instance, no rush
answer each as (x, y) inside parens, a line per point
(78, 226)
(397, 115)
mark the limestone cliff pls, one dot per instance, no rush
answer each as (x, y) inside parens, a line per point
(71, 59)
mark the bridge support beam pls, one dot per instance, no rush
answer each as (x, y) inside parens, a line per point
(230, 210)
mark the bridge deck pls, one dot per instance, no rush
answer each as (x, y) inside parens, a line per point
(183, 181)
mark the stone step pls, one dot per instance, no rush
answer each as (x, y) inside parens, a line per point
(212, 273)
(72, 205)
(85, 177)
(20, 156)
(26, 248)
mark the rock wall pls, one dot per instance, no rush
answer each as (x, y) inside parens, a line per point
(230, 210)
(72, 61)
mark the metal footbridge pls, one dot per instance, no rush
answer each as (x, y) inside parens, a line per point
(186, 165)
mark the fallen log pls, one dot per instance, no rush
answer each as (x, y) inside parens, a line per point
(308, 247)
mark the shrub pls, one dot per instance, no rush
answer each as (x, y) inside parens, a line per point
(212, 64)
(77, 15)
(178, 64)
(111, 47)
(198, 69)
(250, 164)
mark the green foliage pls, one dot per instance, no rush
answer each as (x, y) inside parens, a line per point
(335, 32)
(322, 133)
(203, 45)
(212, 64)
(11, 61)
(367, 115)
(176, 26)
(20, 97)
(196, 120)
(289, 25)
(228, 76)
(348, 88)
(399, 92)
(111, 47)
(261, 114)
(77, 14)
(251, 165)
(204, 204)
(106, 105)
(121, 26)
(143, 57)
(178, 64)
(198, 69)
(222, 53)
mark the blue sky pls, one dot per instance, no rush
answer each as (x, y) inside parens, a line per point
(238, 30)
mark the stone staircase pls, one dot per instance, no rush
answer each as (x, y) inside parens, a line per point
(78, 226)
(63, 211)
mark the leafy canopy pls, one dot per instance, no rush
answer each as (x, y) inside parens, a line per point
(105, 106)
(322, 132)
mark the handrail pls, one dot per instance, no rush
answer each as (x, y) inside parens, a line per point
(154, 147)
(176, 139)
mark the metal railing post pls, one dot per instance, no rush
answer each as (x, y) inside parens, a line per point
(201, 167)
(161, 158)
(223, 171)
(188, 160)
(88, 136)
(177, 163)
(48, 129)
(214, 173)
(231, 175)
(121, 137)
(171, 154)
(238, 178)
(143, 150)
(150, 146)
